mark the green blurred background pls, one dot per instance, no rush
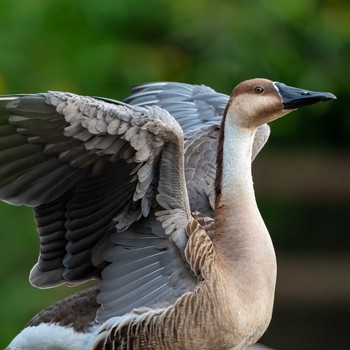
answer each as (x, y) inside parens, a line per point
(302, 178)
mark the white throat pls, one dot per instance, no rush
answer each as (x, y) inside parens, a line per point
(238, 144)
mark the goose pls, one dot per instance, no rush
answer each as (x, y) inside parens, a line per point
(107, 182)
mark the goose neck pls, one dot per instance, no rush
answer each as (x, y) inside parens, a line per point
(241, 238)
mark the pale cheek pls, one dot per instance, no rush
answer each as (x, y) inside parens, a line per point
(279, 114)
(252, 111)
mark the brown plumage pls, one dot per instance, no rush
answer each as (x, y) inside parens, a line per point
(113, 186)
(77, 311)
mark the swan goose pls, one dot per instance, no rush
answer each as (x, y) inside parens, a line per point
(107, 181)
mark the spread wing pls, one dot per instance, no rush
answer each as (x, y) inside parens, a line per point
(98, 172)
(92, 169)
(199, 110)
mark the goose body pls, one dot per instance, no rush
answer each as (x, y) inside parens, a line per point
(124, 192)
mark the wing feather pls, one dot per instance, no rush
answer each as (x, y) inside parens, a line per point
(146, 269)
(89, 168)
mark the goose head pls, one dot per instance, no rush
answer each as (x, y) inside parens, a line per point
(258, 101)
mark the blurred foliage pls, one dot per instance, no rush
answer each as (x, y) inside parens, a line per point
(104, 47)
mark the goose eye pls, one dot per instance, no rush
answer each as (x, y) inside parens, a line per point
(259, 89)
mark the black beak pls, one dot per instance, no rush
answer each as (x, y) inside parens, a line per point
(293, 98)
